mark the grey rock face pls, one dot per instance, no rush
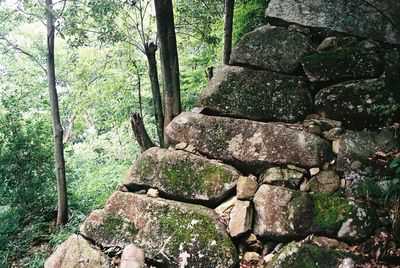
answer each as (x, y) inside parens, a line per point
(283, 177)
(240, 218)
(246, 187)
(375, 19)
(357, 103)
(256, 94)
(326, 182)
(249, 144)
(187, 234)
(275, 49)
(182, 176)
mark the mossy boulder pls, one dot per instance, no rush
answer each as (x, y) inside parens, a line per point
(302, 255)
(373, 19)
(272, 49)
(256, 94)
(171, 233)
(284, 214)
(342, 64)
(360, 104)
(248, 145)
(180, 175)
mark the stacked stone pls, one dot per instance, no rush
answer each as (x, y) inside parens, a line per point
(280, 152)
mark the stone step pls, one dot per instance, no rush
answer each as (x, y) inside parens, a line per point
(249, 145)
(180, 175)
(169, 232)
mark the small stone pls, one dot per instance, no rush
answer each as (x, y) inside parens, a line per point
(293, 167)
(246, 187)
(313, 116)
(132, 257)
(327, 43)
(268, 258)
(305, 187)
(181, 146)
(314, 171)
(328, 124)
(226, 206)
(343, 183)
(251, 239)
(325, 181)
(241, 218)
(347, 263)
(333, 134)
(190, 149)
(298, 28)
(251, 256)
(121, 188)
(153, 192)
(356, 165)
(278, 247)
(290, 178)
(336, 146)
(314, 129)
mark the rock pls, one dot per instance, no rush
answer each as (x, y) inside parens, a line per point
(357, 104)
(336, 146)
(283, 177)
(299, 29)
(297, 254)
(246, 187)
(327, 124)
(293, 167)
(314, 171)
(360, 145)
(226, 206)
(333, 134)
(326, 182)
(76, 252)
(241, 218)
(276, 49)
(132, 257)
(248, 144)
(343, 64)
(251, 257)
(372, 18)
(168, 231)
(182, 176)
(251, 239)
(153, 192)
(367, 184)
(314, 129)
(337, 42)
(256, 94)
(328, 242)
(304, 186)
(181, 146)
(281, 213)
(347, 263)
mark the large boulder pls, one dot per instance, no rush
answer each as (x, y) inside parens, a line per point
(376, 19)
(169, 232)
(248, 144)
(359, 104)
(284, 214)
(256, 94)
(76, 251)
(342, 64)
(272, 49)
(182, 176)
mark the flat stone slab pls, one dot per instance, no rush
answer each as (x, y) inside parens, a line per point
(273, 49)
(376, 19)
(256, 94)
(180, 175)
(249, 144)
(169, 232)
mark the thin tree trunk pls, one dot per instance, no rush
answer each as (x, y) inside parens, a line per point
(141, 135)
(169, 61)
(151, 49)
(62, 213)
(228, 27)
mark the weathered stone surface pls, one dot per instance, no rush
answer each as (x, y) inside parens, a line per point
(299, 254)
(342, 64)
(132, 257)
(360, 145)
(375, 19)
(168, 231)
(273, 49)
(241, 218)
(283, 177)
(257, 94)
(182, 176)
(248, 144)
(336, 42)
(76, 251)
(281, 214)
(358, 104)
(246, 187)
(326, 182)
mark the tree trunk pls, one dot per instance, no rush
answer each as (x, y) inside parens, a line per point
(228, 27)
(140, 132)
(62, 213)
(169, 61)
(151, 49)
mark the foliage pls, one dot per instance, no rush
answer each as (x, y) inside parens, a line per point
(393, 195)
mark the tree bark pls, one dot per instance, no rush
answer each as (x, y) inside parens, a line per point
(62, 212)
(151, 49)
(228, 27)
(141, 135)
(169, 61)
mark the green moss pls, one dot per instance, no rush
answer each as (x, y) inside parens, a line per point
(327, 58)
(194, 228)
(116, 226)
(329, 212)
(145, 166)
